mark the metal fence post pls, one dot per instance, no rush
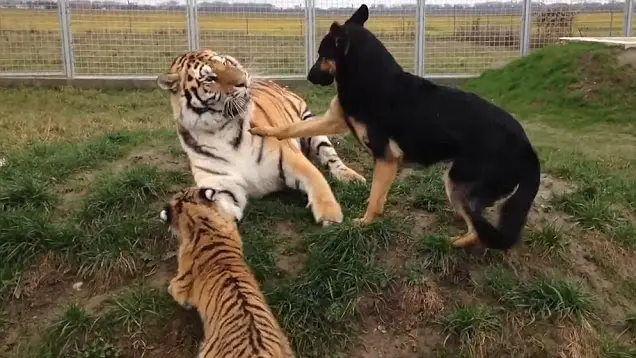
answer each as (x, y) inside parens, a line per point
(193, 25)
(64, 14)
(310, 34)
(627, 18)
(526, 26)
(420, 37)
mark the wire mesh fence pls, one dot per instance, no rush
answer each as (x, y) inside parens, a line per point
(461, 38)
(276, 38)
(394, 26)
(584, 19)
(124, 40)
(29, 38)
(267, 39)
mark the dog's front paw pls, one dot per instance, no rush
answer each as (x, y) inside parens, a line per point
(265, 131)
(366, 219)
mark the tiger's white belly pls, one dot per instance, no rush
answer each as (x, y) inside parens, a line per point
(256, 179)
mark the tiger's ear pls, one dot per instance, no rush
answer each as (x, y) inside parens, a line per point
(168, 81)
(208, 193)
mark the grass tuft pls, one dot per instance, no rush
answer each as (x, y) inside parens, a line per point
(67, 333)
(139, 306)
(437, 253)
(630, 323)
(316, 309)
(502, 285)
(124, 192)
(549, 240)
(423, 189)
(615, 349)
(556, 298)
(466, 323)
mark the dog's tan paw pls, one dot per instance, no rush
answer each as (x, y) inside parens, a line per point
(467, 240)
(365, 220)
(265, 131)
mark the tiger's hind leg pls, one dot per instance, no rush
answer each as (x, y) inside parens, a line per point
(321, 149)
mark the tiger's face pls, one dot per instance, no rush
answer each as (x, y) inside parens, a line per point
(205, 81)
(194, 205)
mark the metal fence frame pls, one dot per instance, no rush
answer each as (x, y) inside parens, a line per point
(192, 23)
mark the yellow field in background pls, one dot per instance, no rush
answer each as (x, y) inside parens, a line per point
(267, 25)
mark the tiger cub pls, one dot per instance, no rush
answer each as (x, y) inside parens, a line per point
(213, 277)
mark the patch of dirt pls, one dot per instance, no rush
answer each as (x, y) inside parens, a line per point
(153, 157)
(289, 260)
(378, 342)
(603, 266)
(579, 342)
(601, 72)
(400, 323)
(42, 293)
(627, 57)
(423, 221)
(176, 336)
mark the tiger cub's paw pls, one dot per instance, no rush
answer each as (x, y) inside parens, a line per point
(178, 294)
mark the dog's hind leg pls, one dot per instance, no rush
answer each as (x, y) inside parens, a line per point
(457, 197)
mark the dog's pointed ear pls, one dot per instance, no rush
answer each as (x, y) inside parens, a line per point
(360, 16)
(336, 30)
(339, 33)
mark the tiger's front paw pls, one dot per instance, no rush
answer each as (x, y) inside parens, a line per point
(327, 212)
(178, 294)
(348, 175)
(265, 131)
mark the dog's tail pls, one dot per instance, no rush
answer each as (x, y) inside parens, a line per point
(514, 211)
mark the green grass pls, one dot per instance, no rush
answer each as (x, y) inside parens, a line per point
(556, 298)
(614, 349)
(549, 240)
(437, 254)
(582, 78)
(540, 298)
(467, 323)
(317, 308)
(70, 330)
(83, 205)
(138, 306)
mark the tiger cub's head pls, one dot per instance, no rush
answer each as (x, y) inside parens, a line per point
(193, 206)
(206, 82)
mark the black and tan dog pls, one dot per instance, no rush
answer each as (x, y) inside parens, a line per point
(400, 117)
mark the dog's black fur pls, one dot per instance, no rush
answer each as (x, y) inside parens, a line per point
(488, 148)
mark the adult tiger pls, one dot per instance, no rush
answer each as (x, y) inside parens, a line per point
(214, 101)
(212, 276)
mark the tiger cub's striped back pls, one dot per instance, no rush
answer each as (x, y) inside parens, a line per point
(213, 277)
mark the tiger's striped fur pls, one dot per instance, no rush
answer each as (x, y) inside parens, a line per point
(213, 277)
(215, 101)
